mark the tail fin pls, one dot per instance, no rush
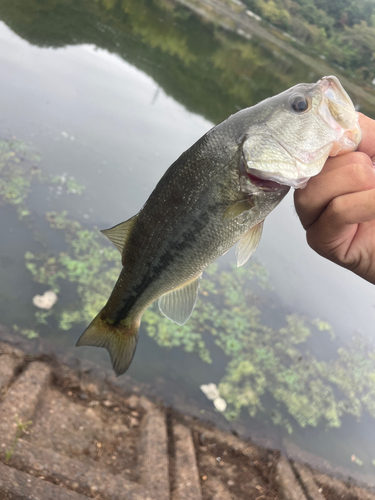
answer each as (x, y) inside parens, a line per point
(120, 341)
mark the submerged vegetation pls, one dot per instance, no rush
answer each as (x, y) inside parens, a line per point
(90, 265)
(270, 372)
(18, 168)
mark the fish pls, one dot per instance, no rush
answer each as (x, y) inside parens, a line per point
(215, 195)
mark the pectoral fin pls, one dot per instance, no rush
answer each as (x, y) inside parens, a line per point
(238, 208)
(119, 234)
(247, 245)
(178, 304)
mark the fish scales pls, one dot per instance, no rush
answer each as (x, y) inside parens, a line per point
(218, 193)
(179, 230)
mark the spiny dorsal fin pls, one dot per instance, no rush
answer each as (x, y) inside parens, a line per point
(178, 304)
(120, 341)
(119, 234)
(237, 208)
(247, 245)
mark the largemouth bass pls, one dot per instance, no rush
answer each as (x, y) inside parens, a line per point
(216, 194)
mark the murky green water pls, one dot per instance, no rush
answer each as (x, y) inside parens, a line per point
(106, 95)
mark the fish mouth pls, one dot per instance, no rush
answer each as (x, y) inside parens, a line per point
(337, 110)
(259, 182)
(269, 185)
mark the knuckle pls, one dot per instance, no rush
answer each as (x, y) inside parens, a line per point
(357, 157)
(363, 175)
(334, 210)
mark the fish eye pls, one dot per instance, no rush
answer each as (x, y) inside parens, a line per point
(299, 103)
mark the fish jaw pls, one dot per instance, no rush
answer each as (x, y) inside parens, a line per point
(337, 110)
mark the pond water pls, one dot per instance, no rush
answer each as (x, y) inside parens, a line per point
(101, 97)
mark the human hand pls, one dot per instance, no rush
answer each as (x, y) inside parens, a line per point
(337, 207)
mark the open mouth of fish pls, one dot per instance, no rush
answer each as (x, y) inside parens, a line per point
(336, 109)
(262, 184)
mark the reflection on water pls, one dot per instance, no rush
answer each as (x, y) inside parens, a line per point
(115, 120)
(210, 71)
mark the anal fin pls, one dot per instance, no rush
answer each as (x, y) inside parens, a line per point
(179, 304)
(247, 245)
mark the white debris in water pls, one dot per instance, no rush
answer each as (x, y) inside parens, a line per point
(373, 81)
(220, 404)
(210, 391)
(45, 301)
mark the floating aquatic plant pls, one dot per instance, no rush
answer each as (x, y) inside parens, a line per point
(27, 332)
(92, 266)
(262, 361)
(18, 167)
(270, 372)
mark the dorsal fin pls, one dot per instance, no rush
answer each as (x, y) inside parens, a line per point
(178, 304)
(247, 245)
(119, 234)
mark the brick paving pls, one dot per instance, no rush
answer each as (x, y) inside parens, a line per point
(63, 437)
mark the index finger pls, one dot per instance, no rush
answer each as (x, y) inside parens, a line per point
(349, 178)
(367, 144)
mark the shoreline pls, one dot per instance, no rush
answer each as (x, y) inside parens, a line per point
(77, 393)
(239, 22)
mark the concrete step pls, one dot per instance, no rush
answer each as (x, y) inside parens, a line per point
(17, 485)
(153, 452)
(73, 474)
(21, 399)
(88, 440)
(186, 483)
(10, 360)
